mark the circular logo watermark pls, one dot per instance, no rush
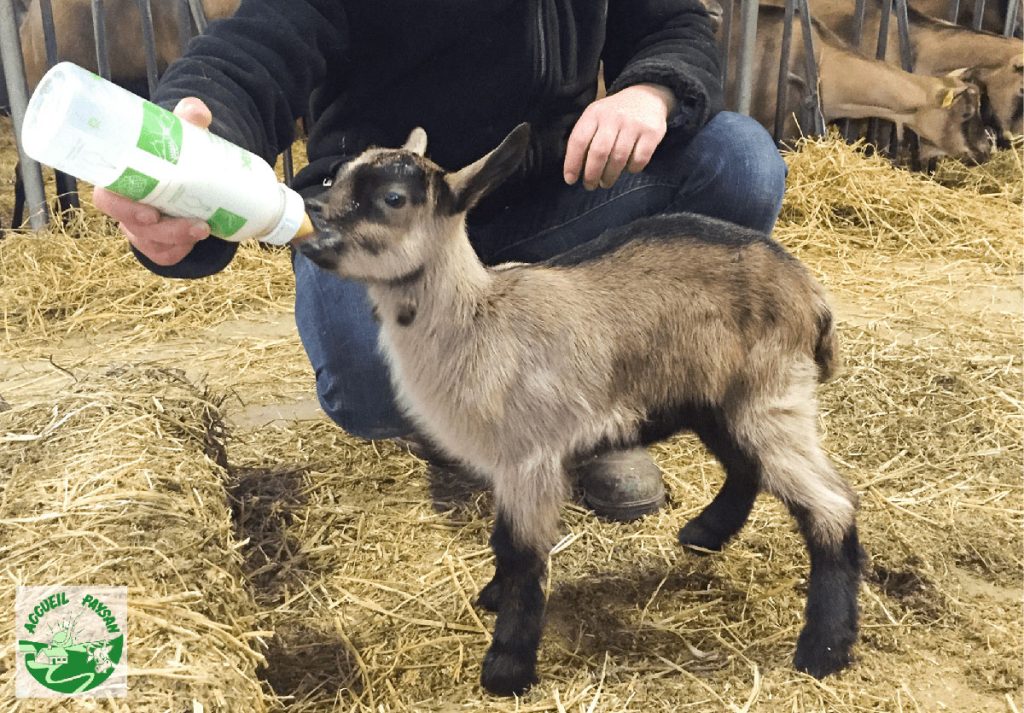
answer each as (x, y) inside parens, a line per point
(71, 641)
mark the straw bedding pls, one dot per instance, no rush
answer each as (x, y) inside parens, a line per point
(118, 479)
(361, 565)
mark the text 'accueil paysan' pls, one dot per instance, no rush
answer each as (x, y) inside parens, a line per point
(72, 641)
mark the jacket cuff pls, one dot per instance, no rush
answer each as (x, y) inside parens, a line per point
(208, 257)
(692, 104)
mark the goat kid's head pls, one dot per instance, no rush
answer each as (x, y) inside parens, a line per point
(389, 211)
(951, 123)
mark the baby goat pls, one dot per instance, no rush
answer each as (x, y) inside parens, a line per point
(670, 323)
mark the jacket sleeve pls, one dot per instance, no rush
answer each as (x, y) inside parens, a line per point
(256, 70)
(667, 42)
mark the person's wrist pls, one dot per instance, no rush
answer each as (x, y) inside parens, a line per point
(656, 92)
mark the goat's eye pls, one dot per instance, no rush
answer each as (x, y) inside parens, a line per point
(394, 199)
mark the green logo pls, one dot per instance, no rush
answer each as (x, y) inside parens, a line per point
(71, 640)
(223, 223)
(133, 184)
(161, 133)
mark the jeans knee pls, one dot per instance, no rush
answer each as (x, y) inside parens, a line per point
(739, 170)
(360, 411)
(339, 335)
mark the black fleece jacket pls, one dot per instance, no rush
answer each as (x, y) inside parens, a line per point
(367, 71)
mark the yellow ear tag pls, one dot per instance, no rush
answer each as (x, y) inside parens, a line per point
(947, 101)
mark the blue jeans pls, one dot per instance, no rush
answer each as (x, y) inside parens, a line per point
(730, 170)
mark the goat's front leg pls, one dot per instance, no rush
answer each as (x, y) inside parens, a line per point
(511, 663)
(528, 503)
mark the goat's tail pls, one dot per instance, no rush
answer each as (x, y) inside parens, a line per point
(826, 353)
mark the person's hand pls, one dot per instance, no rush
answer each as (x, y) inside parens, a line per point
(619, 131)
(162, 239)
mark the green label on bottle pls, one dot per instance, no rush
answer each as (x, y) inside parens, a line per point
(161, 133)
(224, 223)
(133, 184)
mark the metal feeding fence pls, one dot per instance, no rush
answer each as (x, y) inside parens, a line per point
(191, 16)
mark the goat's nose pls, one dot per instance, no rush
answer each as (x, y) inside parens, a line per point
(312, 224)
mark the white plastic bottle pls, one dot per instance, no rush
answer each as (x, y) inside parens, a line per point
(85, 126)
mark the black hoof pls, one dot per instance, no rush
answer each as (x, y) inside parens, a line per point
(820, 654)
(506, 675)
(699, 538)
(490, 596)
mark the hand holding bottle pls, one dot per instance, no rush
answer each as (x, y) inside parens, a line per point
(164, 176)
(163, 239)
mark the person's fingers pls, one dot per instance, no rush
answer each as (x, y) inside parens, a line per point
(166, 255)
(576, 149)
(618, 158)
(194, 111)
(169, 231)
(124, 209)
(168, 241)
(642, 152)
(597, 155)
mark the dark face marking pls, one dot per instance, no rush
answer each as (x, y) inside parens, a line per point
(406, 314)
(388, 183)
(408, 279)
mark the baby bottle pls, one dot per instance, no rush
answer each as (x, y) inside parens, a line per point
(90, 128)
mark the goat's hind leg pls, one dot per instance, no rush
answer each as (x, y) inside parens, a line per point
(797, 471)
(728, 512)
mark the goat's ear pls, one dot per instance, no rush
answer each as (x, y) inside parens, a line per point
(473, 182)
(959, 83)
(417, 141)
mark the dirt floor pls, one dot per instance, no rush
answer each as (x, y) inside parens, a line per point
(362, 566)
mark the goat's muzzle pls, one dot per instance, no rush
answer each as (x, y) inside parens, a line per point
(325, 245)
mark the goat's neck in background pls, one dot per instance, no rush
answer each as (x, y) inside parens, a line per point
(944, 50)
(854, 87)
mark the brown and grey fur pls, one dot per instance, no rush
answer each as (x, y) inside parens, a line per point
(944, 111)
(674, 322)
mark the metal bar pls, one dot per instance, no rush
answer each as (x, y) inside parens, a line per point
(49, 32)
(148, 43)
(883, 30)
(782, 88)
(198, 14)
(17, 94)
(813, 100)
(858, 23)
(979, 14)
(903, 28)
(67, 187)
(725, 40)
(880, 51)
(288, 165)
(745, 69)
(954, 11)
(99, 29)
(907, 63)
(856, 36)
(1012, 12)
(184, 15)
